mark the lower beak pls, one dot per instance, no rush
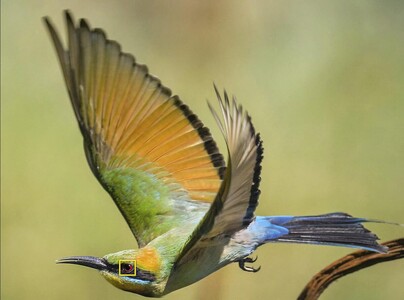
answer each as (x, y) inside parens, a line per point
(87, 261)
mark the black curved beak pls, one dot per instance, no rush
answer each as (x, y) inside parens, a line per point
(87, 261)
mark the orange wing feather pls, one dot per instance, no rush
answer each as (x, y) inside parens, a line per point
(129, 120)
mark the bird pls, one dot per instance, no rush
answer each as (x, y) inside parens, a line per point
(190, 212)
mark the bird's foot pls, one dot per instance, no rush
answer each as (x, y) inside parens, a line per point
(242, 262)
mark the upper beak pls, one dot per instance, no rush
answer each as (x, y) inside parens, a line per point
(87, 261)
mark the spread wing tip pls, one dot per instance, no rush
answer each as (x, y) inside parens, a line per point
(245, 149)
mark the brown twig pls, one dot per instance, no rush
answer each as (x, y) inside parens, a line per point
(349, 264)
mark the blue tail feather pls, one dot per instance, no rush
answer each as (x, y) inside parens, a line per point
(337, 229)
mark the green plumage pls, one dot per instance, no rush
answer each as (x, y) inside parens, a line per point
(139, 193)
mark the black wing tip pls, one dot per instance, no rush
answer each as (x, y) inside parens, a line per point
(47, 21)
(83, 23)
(68, 14)
(49, 24)
(69, 18)
(51, 27)
(165, 90)
(217, 91)
(100, 31)
(204, 133)
(255, 190)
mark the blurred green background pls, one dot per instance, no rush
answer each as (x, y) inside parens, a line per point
(323, 81)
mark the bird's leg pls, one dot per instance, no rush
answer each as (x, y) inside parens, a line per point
(242, 262)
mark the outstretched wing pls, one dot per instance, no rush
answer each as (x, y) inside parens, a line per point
(234, 206)
(148, 150)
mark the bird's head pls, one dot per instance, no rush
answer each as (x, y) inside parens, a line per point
(136, 271)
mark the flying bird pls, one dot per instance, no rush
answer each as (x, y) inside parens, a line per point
(190, 212)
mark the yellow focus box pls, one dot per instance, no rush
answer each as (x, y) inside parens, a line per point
(127, 267)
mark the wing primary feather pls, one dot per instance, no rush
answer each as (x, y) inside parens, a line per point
(125, 94)
(65, 61)
(85, 65)
(128, 108)
(255, 191)
(114, 65)
(204, 133)
(121, 88)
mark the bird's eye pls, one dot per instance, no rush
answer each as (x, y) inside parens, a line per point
(127, 269)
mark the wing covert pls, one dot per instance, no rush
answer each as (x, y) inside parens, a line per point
(146, 147)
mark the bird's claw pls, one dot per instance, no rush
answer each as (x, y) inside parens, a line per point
(241, 264)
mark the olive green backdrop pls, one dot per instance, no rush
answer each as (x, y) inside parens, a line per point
(323, 81)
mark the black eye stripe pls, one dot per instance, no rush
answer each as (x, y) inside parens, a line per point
(140, 273)
(145, 275)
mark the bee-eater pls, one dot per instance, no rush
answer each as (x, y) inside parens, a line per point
(190, 213)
